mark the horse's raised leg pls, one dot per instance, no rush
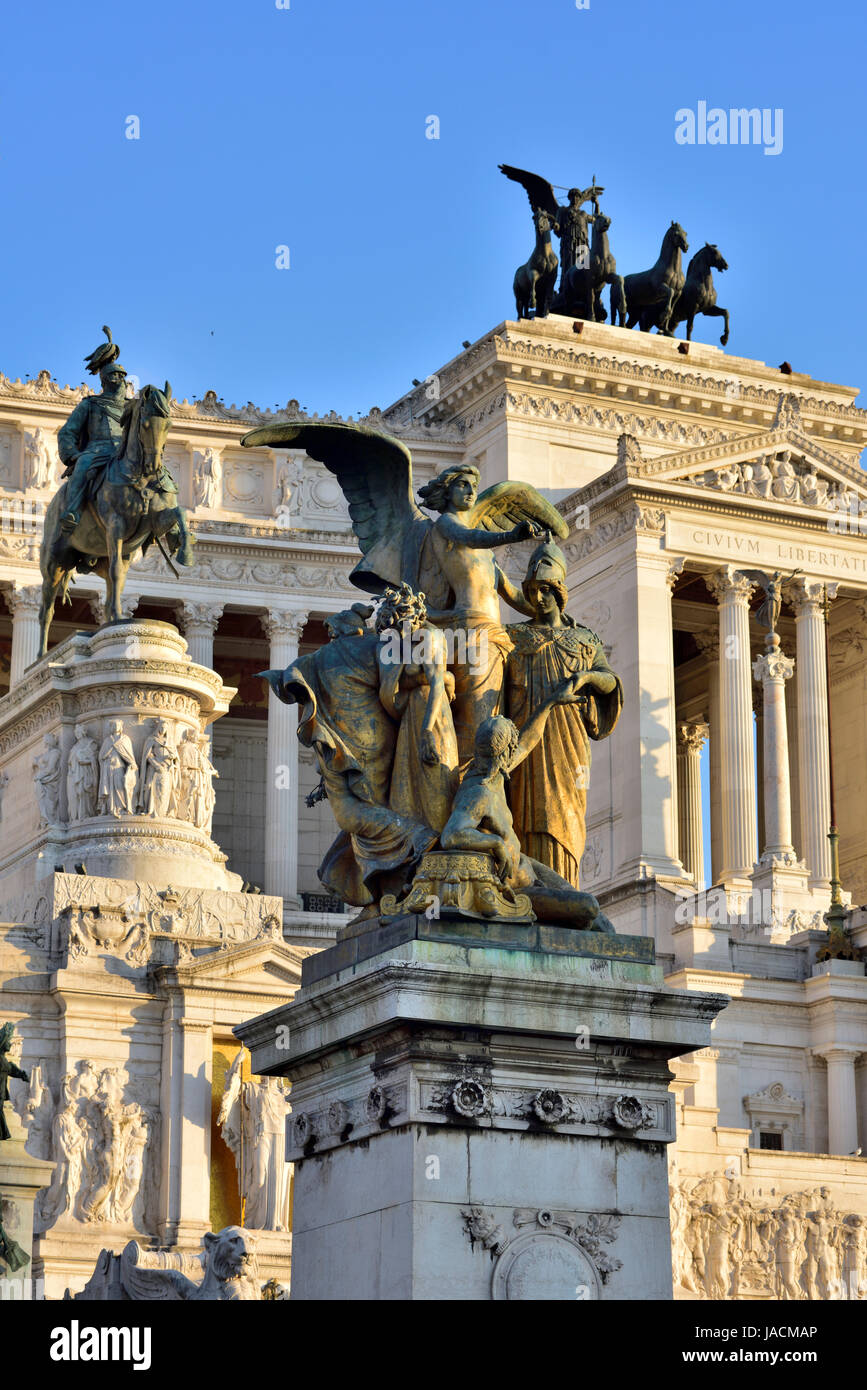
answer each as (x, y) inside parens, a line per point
(116, 575)
(715, 311)
(52, 578)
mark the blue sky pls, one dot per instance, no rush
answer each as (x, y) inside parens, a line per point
(305, 127)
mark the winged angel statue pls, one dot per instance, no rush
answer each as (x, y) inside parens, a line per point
(396, 723)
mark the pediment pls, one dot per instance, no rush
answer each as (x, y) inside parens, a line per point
(268, 961)
(781, 466)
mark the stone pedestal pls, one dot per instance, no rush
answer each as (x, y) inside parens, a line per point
(133, 674)
(480, 1111)
(21, 1177)
(127, 950)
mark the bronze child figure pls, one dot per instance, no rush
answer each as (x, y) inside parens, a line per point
(481, 819)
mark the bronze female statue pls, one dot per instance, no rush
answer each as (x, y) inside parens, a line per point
(548, 791)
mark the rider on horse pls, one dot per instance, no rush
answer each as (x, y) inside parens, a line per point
(93, 434)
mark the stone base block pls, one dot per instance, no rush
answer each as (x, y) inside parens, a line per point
(480, 1117)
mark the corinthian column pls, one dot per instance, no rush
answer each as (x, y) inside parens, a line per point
(732, 591)
(708, 643)
(283, 629)
(773, 670)
(806, 597)
(690, 741)
(200, 624)
(24, 601)
(842, 1099)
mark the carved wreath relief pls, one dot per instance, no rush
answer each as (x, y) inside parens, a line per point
(549, 1255)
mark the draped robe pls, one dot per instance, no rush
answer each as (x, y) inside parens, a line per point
(548, 791)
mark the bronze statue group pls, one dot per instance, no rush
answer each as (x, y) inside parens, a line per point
(662, 297)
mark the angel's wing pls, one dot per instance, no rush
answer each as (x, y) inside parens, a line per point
(502, 506)
(231, 1119)
(149, 1284)
(538, 190)
(375, 475)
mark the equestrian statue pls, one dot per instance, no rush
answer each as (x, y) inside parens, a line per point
(119, 497)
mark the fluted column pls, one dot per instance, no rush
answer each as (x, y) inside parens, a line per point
(806, 597)
(690, 741)
(842, 1100)
(773, 669)
(200, 623)
(23, 601)
(283, 629)
(708, 643)
(732, 591)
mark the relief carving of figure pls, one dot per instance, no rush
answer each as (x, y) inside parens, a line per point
(40, 459)
(548, 791)
(82, 775)
(118, 772)
(207, 479)
(160, 773)
(785, 485)
(46, 776)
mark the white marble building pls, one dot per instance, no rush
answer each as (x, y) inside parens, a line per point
(674, 467)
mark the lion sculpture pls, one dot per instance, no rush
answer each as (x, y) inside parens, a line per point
(226, 1271)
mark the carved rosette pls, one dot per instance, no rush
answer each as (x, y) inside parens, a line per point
(459, 884)
(470, 1099)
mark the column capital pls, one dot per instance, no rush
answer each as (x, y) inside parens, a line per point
(284, 623)
(807, 596)
(835, 1053)
(96, 604)
(692, 737)
(675, 570)
(730, 585)
(707, 642)
(773, 666)
(23, 599)
(201, 617)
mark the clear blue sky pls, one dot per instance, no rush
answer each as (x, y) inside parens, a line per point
(306, 127)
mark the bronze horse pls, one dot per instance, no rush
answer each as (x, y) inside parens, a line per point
(534, 281)
(698, 295)
(580, 293)
(651, 294)
(128, 511)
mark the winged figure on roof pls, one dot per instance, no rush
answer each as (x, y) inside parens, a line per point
(569, 220)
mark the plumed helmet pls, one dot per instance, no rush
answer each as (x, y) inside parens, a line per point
(104, 355)
(547, 566)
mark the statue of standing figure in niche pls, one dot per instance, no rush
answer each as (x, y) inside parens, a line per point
(548, 790)
(252, 1120)
(160, 773)
(46, 775)
(82, 775)
(118, 772)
